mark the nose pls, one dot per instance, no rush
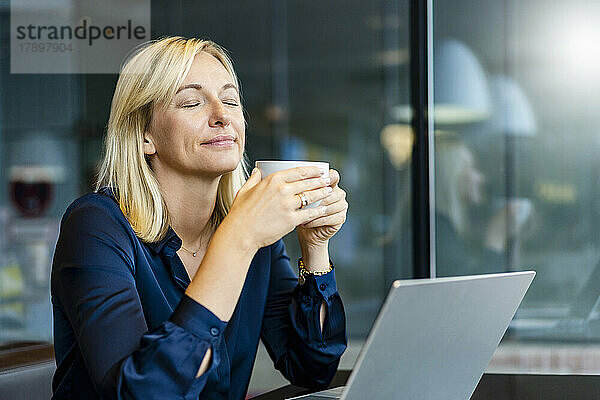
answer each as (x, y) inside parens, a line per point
(219, 117)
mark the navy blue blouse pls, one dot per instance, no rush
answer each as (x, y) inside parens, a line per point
(124, 329)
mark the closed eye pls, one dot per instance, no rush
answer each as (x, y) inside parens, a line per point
(190, 105)
(230, 103)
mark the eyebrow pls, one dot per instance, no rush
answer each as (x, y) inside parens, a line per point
(199, 87)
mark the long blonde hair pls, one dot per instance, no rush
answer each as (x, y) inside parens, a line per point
(149, 79)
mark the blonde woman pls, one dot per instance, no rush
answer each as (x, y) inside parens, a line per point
(165, 278)
(458, 189)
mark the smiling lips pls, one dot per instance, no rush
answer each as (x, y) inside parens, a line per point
(221, 140)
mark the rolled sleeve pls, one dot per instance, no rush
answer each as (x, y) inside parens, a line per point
(321, 286)
(305, 311)
(199, 320)
(291, 327)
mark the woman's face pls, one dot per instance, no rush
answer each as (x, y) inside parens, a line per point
(206, 107)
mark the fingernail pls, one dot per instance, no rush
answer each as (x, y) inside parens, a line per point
(327, 180)
(329, 189)
(323, 172)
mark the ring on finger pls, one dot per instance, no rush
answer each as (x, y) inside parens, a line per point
(303, 200)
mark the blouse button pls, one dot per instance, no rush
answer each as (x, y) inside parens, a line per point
(323, 286)
(214, 331)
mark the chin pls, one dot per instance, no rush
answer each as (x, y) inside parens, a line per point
(222, 169)
(215, 165)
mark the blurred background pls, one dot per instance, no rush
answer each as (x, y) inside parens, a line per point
(515, 145)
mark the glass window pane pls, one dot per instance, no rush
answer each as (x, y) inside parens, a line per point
(515, 93)
(347, 73)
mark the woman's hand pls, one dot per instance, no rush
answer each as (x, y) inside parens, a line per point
(516, 213)
(264, 211)
(316, 233)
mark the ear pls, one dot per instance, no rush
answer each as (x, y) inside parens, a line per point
(149, 147)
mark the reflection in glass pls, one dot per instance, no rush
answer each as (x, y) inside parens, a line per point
(538, 150)
(464, 245)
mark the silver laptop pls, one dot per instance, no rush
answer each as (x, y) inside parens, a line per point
(433, 338)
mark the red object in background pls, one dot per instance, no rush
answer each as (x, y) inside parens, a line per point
(32, 199)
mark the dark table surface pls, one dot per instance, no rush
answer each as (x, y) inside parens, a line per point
(495, 387)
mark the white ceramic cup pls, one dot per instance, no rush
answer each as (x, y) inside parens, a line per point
(521, 207)
(267, 167)
(515, 210)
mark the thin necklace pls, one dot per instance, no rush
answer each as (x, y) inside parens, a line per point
(193, 253)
